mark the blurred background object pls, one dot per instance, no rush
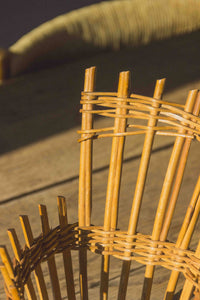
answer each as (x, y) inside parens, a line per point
(19, 17)
(109, 25)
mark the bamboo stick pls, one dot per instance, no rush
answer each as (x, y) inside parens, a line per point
(85, 180)
(85, 173)
(6, 261)
(164, 197)
(114, 177)
(188, 286)
(179, 177)
(38, 270)
(29, 288)
(7, 272)
(189, 213)
(51, 260)
(185, 235)
(9, 283)
(175, 274)
(67, 259)
(142, 173)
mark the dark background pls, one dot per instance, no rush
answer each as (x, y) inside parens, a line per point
(18, 17)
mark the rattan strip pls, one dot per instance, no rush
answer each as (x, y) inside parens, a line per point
(169, 113)
(109, 96)
(166, 133)
(141, 106)
(143, 250)
(43, 247)
(141, 102)
(165, 117)
(113, 101)
(165, 114)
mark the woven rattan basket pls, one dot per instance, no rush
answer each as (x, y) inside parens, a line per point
(132, 115)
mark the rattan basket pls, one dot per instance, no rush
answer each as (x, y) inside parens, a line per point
(132, 115)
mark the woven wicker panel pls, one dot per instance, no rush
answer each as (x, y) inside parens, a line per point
(131, 115)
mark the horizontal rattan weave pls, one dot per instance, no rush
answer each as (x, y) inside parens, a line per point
(172, 117)
(129, 115)
(141, 248)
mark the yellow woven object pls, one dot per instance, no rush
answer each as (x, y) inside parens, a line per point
(130, 114)
(107, 25)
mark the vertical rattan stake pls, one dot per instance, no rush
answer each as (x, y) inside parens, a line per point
(179, 177)
(114, 177)
(85, 178)
(67, 259)
(85, 173)
(165, 193)
(51, 260)
(185, 235)
(28, 235)
(7, 273)
(18, 253)
(139, 189)
(188, 286)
